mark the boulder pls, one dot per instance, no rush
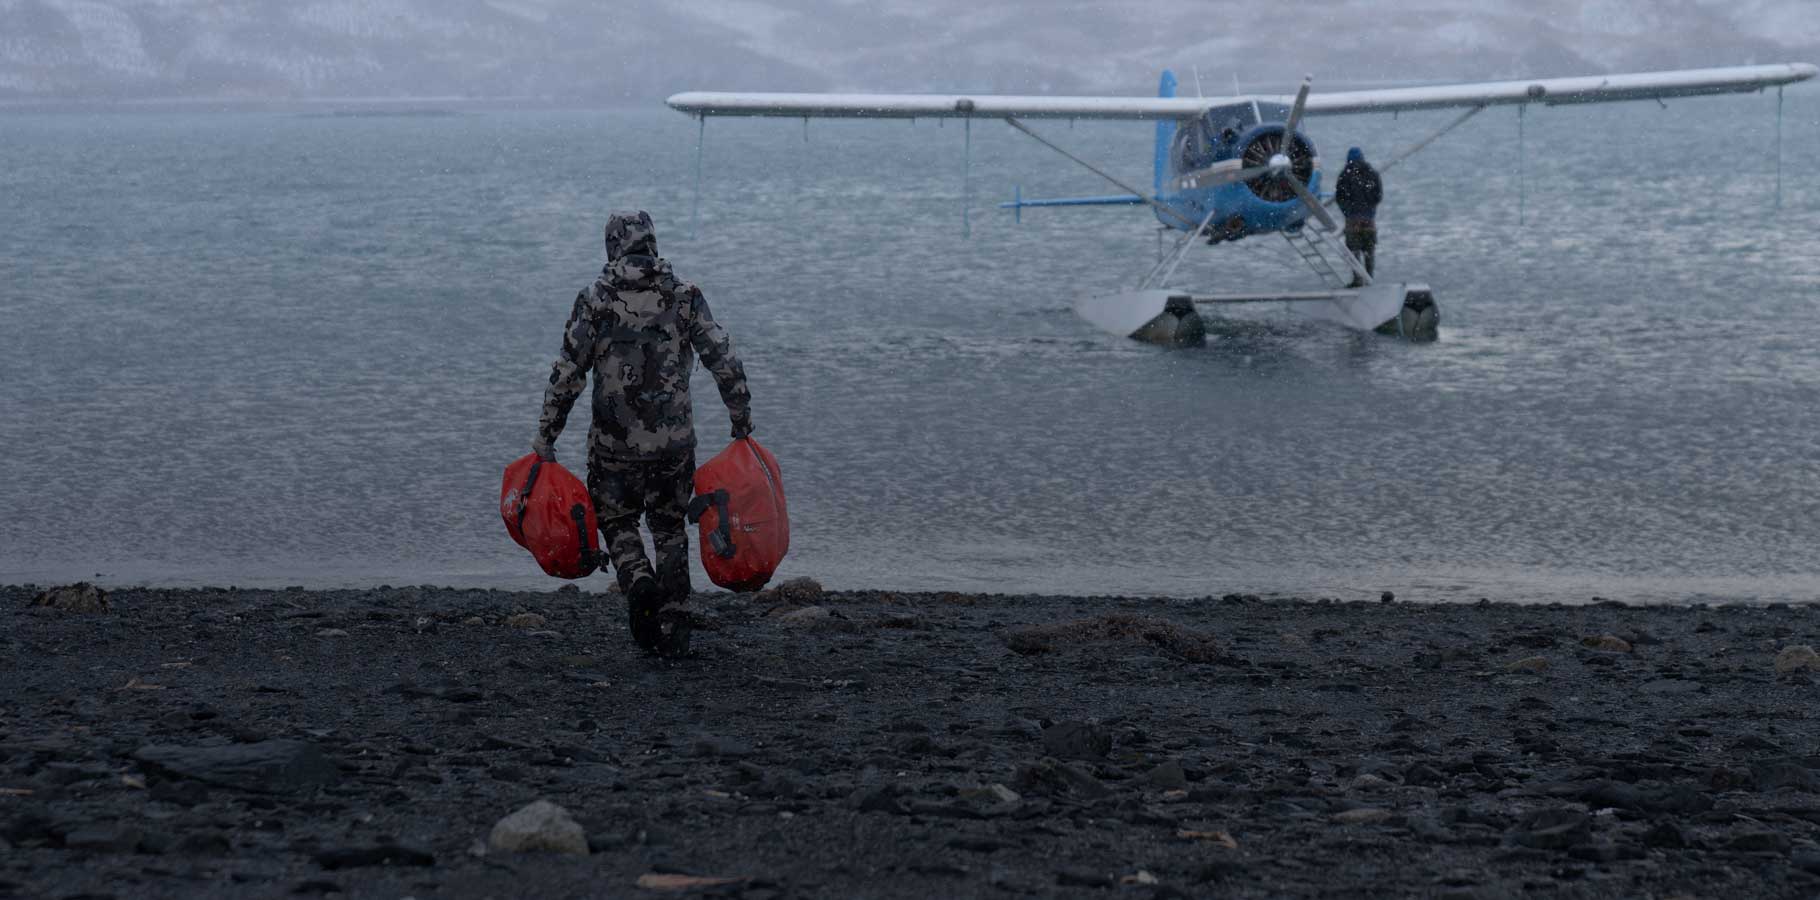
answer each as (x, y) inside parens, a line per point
(1799, 658)
(1534, 665)
(81, 597)
(796, 591)
(540, 826)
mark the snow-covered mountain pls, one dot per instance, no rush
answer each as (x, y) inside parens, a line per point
(636, 51)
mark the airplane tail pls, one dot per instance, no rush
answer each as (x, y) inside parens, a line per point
(1165, 132)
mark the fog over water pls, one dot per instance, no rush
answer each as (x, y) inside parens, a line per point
(265, 348)
(633, 52)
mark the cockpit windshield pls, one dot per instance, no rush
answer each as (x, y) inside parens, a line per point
(1201, 142)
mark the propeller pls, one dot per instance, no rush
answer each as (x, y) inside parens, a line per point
(1278, 154)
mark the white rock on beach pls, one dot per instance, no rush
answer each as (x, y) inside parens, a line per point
(540, 826)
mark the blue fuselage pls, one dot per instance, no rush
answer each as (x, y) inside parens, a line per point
(1196, 159)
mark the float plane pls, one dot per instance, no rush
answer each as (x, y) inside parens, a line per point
(1230, 167)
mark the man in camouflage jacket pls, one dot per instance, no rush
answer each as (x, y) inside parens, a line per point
(638, 330)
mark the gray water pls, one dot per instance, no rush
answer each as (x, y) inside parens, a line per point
(269, 349)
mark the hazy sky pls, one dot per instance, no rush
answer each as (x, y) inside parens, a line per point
(638, 51)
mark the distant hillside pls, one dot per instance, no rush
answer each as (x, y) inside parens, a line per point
(638, 51)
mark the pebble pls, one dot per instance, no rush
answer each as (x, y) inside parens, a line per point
(1167, 777)
(276, 767)
(876, 798)
(1077, 740)
(528, 620)
(374, 855)
(103, 839)
(726, 748)
(990, 794)
(1362, 816)
(1759, 842)
(1530, 664)
(1608, 643)
(1555, 828)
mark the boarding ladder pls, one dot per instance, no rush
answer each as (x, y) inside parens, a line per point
(1315, 247)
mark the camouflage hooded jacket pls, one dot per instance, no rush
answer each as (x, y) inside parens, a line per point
(639, 330)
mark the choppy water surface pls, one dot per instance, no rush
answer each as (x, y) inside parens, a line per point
(272, 349)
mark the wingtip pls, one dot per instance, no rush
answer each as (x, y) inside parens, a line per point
(687, 101)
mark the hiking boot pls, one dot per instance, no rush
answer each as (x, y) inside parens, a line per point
(674, 627)
(643, 599)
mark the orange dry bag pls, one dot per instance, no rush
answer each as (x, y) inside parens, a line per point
(548, 512)
(745, 526)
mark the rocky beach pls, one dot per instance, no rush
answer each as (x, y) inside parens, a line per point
(431, 742)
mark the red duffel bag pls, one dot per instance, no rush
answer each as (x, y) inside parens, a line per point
(745, 525)
(548, 512)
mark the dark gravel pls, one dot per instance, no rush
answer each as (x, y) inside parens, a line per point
(229, 743)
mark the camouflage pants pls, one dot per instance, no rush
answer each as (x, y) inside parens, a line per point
(1362, 240)
(657, 489)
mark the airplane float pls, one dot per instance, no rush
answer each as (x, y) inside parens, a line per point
(1235, 166)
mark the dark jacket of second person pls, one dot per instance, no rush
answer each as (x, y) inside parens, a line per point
(1359, 190)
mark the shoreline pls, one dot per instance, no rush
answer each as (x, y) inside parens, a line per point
(886, 744)
(1552, 592)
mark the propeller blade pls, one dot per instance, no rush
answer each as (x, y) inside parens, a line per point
(1237, 175)
(1295, 113)
(1314, 205)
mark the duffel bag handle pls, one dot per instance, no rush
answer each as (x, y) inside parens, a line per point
(721, 538)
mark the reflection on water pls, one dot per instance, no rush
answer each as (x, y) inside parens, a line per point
(264, 349)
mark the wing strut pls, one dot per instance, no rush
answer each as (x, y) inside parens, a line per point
(701, 138)
(1152, 201)
(1422, 144)
(1778, 146)
(1182, 252)
(966, 177)
(1522, 178)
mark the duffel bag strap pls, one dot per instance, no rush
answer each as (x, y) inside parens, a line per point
(721, 538)
(579, 513)
(524, 493)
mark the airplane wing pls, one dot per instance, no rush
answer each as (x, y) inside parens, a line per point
(1558, 91)
(1549, 91)
(935, 106)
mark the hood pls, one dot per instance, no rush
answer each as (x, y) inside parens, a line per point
(630, 233)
